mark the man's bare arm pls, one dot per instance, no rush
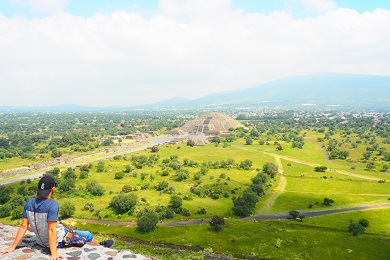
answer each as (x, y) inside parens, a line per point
(21, 232)
(53, 240)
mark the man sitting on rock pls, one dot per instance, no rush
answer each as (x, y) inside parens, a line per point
(41, 215)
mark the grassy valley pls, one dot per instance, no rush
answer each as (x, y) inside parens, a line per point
(209, 180)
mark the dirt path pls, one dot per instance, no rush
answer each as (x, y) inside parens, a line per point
(279, 190)
(274, 216)
(309, 164)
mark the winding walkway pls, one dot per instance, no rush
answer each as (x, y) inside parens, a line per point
(273, 216)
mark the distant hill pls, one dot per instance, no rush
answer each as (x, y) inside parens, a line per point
(346, 90)
(318, 91)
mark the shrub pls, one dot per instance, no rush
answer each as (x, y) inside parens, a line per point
(100, 166)
(17, 200)
(294, 214)
(67, 185)
(128, 169)
(167, 213)
(147, 222)
(301, 216)
(364, 222)
(95, 188)
(67, 210)
(83, 174)
(185, 212)
(127, 188)
(5, 210)
(355, 228)
(119, 175)
(202, 211)
(89, 206)
(217, 222)
(176, 202)
(328, 201)
(17, 212)
(320, 168)
(123, 203)
(270, 168)
(155, 149)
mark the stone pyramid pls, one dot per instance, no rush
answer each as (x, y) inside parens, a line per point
(210, 123)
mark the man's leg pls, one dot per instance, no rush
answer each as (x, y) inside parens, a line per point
(88, 235)
(93, 242)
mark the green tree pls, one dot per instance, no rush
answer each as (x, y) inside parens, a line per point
(176, 202)
(100, 166)
(328, 201)
(270, 169)
(67, 210)
(294, 214)
(5, 210)
(5, 193)
(17, 212)
(355, 228)
(123, 203)
(95, 188)
(147, 222)
(364, 222)
(248, 141)
(217, 222)
(246, 164)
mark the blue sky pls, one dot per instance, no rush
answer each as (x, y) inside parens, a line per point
(86, 8)
(130, 52)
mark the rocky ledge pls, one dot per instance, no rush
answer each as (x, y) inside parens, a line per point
(29, 249)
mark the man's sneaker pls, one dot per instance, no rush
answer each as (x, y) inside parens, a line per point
(107, 243)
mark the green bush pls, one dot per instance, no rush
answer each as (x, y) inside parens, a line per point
(119, 175)
(364, 222)
(17, 212)
(147, 222)
(5, 193)
(294, 214)
(176, 202)
(217, 222)
(355, 228)
(17, 200)
(95, 188)
(89, 206)
(123, 203)
(5, 210)
(67, 210)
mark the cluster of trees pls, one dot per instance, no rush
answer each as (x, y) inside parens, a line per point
(334, 152)
(245, 205)
(359, 227)
(32, 134)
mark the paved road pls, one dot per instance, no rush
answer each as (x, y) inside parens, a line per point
(274, 216)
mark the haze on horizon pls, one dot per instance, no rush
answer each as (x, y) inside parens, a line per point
(132, 52)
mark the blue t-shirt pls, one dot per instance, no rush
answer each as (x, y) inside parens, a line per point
(39, 212)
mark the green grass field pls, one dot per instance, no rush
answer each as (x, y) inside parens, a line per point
(323, 237)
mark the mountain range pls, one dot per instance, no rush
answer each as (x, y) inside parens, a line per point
(317, 90)
(320, 90)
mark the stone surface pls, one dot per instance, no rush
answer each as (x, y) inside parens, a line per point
(29, 249)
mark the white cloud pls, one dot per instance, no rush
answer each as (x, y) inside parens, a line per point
(320, 6)
(44, 6)
(125, 59)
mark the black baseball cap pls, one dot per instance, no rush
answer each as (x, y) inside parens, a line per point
(45, 185)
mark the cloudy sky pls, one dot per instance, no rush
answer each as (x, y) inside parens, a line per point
(130, 52)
